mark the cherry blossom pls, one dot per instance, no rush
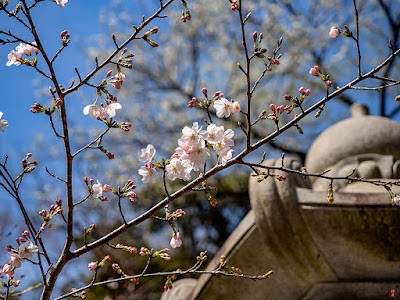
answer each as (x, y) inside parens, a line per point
(147, 154)
(92, 110)
(222, 107)
(176, 240)
(15, 260)
(27, 249)
(3, 123)
(61, 3)
(197, 155)
(214, 133)
(192, 136)
(178, 169)
(27, 49)
(97, 190)
(8, 270)
(14, 58)
(334, 32)
(148, 173)
(235, 107)
(111, 109)
(118, 79)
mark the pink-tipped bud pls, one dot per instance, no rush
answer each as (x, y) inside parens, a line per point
(288, 97)
(58, 201)
(301, 89)
(204, 90)
(272, 107)
(154, 29)
(124, 51)
(328, 83)
(255, 36)
(91, 181)
(109, 73)
(307, 92)
(63, 33)
(85, 180)
(28, 155)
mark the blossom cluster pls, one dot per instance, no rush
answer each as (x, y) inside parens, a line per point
(191, 153)
(97, 189)
(223, 107)
(25, 250)
(101, 112)
(47, 216)
(316, 71)
(15, 56)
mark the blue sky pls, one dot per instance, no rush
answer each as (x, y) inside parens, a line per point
(17, 82)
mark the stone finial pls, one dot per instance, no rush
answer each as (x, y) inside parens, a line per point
(359, 110)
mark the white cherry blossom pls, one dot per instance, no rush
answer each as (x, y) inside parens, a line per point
(61, 3)
(92, 110)
(3, 123)
(14, 58)
(97, 190)
(222, 107)
(27, 249)
(192, 136)
(111, 109)
(214, 133)
(148, 173)
(178, 169)
(147, 154)
(176, 240)
(15, 260)
(197, 155)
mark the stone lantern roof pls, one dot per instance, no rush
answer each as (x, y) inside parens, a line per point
(360, 134)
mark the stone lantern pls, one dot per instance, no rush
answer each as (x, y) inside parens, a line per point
(348, 249)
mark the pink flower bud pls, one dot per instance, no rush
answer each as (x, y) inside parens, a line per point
(124, 51)
(288, 97)
(328, 83)
(272, 107)
(307, 92)
(301, 89)
(109, 73)
(106, 188)
(204, 90)
(313, 72)
(334, 32)
(154, 29)
(63, 33)
(92, 266)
